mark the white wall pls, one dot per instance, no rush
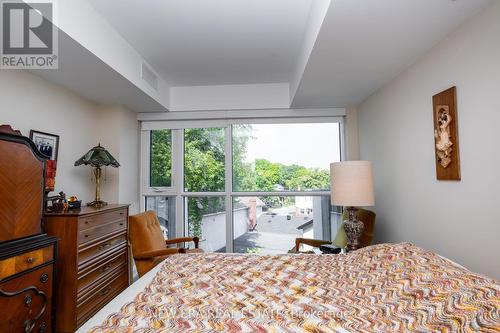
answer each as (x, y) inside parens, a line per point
(351, 134)
(29, 102)
(230, 97)
(456, 219)
(213, 229)
(119, 130)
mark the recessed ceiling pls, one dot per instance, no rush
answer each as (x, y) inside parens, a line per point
(361, 46)
(209, 42)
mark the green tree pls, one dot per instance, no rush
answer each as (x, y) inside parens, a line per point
(204, 159)
(267, 175)
(161, 158)
(308, 179)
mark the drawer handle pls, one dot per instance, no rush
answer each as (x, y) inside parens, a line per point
(27, 300)
(105, 268)
(105, 291)
(86, 236)
(30, 260)
(87, 222)
(29, 324)
(121, 223)
(103, 246)
(44, 278)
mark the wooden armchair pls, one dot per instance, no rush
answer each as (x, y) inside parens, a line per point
(149, 247)
(364, 215)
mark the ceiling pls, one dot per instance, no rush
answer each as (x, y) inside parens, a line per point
(207, 42)
(362, 44)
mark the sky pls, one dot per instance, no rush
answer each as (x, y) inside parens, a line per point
(310, 145)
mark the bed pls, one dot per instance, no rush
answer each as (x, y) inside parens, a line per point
(381, 288)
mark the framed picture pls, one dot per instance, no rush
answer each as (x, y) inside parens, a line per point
(47, 144)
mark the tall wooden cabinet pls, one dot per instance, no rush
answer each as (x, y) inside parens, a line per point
(27, 255)
(92, 261)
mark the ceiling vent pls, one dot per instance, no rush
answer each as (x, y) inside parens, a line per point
(149, 76)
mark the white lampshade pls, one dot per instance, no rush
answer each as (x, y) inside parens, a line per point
(352, 183)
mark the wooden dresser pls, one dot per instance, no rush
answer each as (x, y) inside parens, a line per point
(27, 255)
(92, 261)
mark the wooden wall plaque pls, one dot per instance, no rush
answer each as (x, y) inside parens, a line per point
(446, 135)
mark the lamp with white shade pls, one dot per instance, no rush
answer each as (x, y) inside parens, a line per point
(352, 186)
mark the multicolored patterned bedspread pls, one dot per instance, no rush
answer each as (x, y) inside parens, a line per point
(382, 288)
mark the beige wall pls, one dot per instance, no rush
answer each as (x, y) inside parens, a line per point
(29, 102)
(457, 219)
(351, 134)
(119, 128)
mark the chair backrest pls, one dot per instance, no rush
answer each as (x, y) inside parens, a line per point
(368, 219)
(145, 233)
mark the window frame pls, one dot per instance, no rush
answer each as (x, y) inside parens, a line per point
(177, 184)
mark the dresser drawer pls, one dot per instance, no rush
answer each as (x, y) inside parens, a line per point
(93, 243)
(101, 270)
(29, 300)
(90, 252)
(25, 261)
(101, 231)
(103, 294)
(87, 222)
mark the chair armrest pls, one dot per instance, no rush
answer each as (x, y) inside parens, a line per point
(310, 242)
(158, 253)
(196, 240)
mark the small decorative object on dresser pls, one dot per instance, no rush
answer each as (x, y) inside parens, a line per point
(27, 255)
(446, 135)
(92, 261)
(98, 157)
(352, 186)
(58, 203)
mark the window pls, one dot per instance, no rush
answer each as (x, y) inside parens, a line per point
(161, 158)
(270, 224)
(242, 187)
(284, 157)
(206, 219)
(204, 159)
(165, 210)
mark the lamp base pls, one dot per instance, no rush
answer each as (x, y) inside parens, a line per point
(97, 204)
(353, 229)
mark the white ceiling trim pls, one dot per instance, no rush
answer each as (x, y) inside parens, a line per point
(243, 114)
(211, 123)
(82, 23)
(86, 75)
(317, 14)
